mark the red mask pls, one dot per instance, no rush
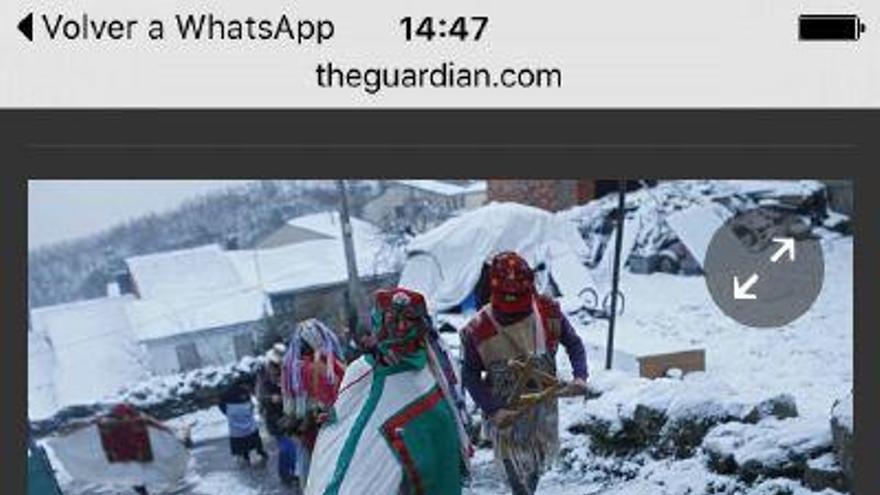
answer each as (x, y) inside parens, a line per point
(512, 283)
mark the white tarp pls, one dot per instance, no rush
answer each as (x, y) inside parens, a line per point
(695, 227)
(82, 457)
(445, 263)
(603, 273)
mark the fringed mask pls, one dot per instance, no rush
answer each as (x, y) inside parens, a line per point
(314, 341)
(511, 282)
(400, 322)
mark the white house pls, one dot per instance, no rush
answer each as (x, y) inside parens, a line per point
(205, 306)
(79, 352)
(195, 307)
(420, 201)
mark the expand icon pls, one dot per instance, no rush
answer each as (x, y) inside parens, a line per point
(764, 267)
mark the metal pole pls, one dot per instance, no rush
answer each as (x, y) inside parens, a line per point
(355, 299)
(615, 279)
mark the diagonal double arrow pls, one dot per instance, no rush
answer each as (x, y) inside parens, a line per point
(787, 247)
(741, 290)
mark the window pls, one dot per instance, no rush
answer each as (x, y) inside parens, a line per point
(244, 345)
(188, 357)
(284, 304)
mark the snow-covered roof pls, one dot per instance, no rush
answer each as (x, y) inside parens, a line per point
(79, 353)
(41, 363)
(445, 263)
(327, 223)
(316, 262)
(183, 272)
(444, 188)
(153, 319)
(206, 287)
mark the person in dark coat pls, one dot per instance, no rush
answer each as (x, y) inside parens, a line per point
(244, 434)
(272, 410)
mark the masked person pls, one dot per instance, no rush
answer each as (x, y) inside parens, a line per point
(513, 340)
(394, 428)
(311, 372)
(123, 448)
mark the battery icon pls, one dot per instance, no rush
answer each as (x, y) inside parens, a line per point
(821, 27)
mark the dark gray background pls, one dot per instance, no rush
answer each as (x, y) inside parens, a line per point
(826, 144)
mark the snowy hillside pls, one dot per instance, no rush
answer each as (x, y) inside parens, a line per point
(80, 269)
(812, 359)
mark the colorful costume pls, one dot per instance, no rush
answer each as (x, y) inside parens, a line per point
(124, 435)
(395, 427)
(513, 340)
(311, 373)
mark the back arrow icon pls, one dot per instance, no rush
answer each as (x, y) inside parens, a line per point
(742, 291)
(26, 26)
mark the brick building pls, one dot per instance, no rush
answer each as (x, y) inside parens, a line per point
(551, 195)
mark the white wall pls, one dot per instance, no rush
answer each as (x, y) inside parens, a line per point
(216, 347)
(379, 209)
(474, 200)
(41, 371)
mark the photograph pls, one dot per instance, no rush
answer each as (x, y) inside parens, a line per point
(460, 336)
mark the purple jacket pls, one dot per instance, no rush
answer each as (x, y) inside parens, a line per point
(472, 367)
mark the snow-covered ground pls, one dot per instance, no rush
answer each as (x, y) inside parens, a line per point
(811, 359)
(204, 425)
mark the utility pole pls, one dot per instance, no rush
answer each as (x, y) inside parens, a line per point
(615, 278)
(356, 306)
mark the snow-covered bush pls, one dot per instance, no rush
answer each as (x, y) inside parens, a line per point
(825, 472)
(772, 448)
(657, 246)
(163, 397)
(669, 417)
(842, 434)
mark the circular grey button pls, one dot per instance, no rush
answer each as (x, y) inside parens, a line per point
(764, 268)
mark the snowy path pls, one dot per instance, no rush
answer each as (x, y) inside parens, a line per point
(221, 475)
